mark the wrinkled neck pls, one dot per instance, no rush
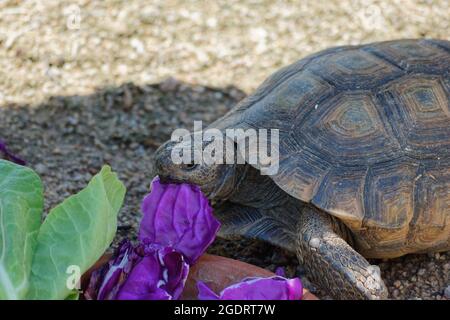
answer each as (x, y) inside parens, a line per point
(227, 186)
(256, 190)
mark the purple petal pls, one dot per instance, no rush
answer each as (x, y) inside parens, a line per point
(106, 281)
(9, 155)
(160, 275)
(273, 288)
(119, 269)
(144, 272)
(177, 272)
(179, 216)
(205, 293)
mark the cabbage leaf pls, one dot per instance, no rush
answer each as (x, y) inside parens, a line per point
(74, 235)
(21, 205)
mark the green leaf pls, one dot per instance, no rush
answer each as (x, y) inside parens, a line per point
(21, 205)
(74, 295)
(74, 236)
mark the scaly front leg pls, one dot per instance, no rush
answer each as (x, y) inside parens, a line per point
(331, 262)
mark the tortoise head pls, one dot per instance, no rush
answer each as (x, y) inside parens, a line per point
(217, 181)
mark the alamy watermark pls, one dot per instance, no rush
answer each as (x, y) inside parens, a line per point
(74, 277)
(259, 147)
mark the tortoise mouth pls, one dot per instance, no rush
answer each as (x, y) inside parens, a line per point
(170, 180)
(216, 190)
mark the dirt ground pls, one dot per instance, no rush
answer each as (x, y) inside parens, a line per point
(59, 47)
(82, 83)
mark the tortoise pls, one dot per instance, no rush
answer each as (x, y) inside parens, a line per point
(364, 162)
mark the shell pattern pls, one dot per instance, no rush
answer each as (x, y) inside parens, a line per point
(365, 136)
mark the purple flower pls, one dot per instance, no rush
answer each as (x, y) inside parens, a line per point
(105, 282)
(144, 272)
(178, 216)
(272, 288)
(9, 155)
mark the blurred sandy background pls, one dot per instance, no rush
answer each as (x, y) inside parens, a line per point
(51, 47)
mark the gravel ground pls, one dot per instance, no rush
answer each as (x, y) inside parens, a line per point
(56, 47)
(67, 139)
(75, 93)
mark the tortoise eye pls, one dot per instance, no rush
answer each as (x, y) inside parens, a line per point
(190, 166)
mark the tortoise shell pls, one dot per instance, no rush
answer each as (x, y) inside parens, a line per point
(365, 136)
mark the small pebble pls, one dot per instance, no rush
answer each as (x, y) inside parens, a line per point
(40, 168)
(447, 292)
(421, 272)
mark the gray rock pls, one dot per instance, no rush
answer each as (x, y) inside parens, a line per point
(447, 292)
